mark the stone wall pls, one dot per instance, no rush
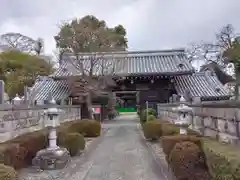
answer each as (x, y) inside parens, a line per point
(219, 120)
(20, 119)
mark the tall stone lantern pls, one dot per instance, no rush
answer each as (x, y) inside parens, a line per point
(183, 116)
(53, 157)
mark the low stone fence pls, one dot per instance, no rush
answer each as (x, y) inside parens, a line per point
(19, 119)
(215, 119)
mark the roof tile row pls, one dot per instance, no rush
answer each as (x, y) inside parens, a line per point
(129, 63)
(200, 84)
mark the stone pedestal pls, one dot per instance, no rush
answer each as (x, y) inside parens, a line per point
(51, 159)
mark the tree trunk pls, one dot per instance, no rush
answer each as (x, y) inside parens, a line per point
(237, 86)
(89, 105)
(111, 104)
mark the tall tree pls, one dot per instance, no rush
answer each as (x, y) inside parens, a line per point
(18, 69)
(232, 55)
(89, 35)
(213, 51)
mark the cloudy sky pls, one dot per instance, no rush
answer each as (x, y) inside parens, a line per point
(150, 24)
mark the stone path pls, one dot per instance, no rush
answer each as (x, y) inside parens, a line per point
(121, 155)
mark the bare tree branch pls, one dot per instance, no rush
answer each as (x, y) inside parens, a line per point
(213, 52)
(17, 41)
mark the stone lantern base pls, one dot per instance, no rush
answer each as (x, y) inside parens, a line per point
(51, 159)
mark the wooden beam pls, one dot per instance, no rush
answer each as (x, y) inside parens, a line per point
(125, 92)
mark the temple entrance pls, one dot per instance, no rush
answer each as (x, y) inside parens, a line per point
(126, 101)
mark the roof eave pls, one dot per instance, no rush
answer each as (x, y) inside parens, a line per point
(155, 74)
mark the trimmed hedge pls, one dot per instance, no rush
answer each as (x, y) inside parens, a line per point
(215, 160)
(223, 160)
(193, 132)
(185, 155)
(13, 155)
(86, 127)
(168, 142)
(169, 129)
(143, 115)
(152, 130)
(7, 173)
(27, 146)
(19, 152)
(74, 142)
(183, 159)
(151, 118)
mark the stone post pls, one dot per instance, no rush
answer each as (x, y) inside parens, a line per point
(53, 157)
(183, 116)
(53, 115)
(2, 92)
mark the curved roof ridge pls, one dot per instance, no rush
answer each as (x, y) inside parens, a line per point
(177, 50)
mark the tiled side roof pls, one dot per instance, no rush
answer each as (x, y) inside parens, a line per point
(42, 87)
(134, 63)
(200, 84)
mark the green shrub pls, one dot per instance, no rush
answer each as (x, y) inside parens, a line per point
(169, 129)
(74, 142)
(31, 143)
(223, 160)
(12, 155)
(183, 159)
(168, 142)
(7, 173)
(193, 132)
(19, 152)
(152, 130)
(151, 118)
(88, 128)
(151, 111)
(143, 116)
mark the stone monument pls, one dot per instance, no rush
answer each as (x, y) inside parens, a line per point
(53, 157)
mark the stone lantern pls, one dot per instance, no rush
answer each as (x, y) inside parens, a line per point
(53, 157)
(183, 117)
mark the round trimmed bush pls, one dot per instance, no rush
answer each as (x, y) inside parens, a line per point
(13, 155)
(170, 129)
(86, 127)
(7, 173)
(32, 142)
(143, 116)
(74, 142)
(150, 111)
(183, 158)
(152, 130)
(168, 142)
(151, 118)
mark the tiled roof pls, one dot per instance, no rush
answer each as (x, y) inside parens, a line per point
(44, 85)
(200, 84)
(132, 63)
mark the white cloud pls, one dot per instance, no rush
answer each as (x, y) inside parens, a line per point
(152, 24)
